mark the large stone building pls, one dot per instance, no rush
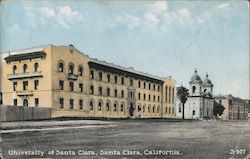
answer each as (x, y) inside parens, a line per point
(200, 101)
(235, 108)
(75, 85)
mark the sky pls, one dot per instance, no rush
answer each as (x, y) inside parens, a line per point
(163, 38)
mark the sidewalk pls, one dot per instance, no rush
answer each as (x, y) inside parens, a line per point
(51, 124)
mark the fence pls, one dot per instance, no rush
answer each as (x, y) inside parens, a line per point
(17, 113)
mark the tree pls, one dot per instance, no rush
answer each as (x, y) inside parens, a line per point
(182, 94)
(218, 109)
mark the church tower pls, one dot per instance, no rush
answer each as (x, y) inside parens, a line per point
(207, 87)
(195, 85)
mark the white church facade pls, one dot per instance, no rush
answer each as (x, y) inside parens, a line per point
(200, 101)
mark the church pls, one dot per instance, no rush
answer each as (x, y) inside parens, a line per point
(200, 101)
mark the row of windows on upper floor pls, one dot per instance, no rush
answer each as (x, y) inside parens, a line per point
(26, 85)
(155, 109)
(108, 91)
(25, 68)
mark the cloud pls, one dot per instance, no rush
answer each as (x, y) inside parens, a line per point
(183, 17)
(62, 16)
(128, 21)
(159, 7)
(151, 19)
(222, 6)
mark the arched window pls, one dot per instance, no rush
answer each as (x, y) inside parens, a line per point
(193, 89)
(25, 102)
(71, 68)
(153, 109)
(60, 67)
(205, 90)
(80, 71)
(122, 107)
(91, 105)
(139, 108)
(100, 105)
(107, 106)
(158, 109)
(115, 107)
(149, 108)
(14, 69)
(25, 68)
(36, 66)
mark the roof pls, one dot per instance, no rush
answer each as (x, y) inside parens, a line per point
(32, 55)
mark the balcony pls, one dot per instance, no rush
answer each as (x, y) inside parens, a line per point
(24, 93)
(24, 75)
(72, 76)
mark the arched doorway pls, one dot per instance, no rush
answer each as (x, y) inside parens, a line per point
(25, 102)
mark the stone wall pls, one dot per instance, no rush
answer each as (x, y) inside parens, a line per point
(17, 113)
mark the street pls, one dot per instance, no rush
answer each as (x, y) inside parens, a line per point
(128, 139)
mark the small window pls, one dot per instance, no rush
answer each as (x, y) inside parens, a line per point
(100, 76)
(14, 69)
(80, 87)
(144, 96)
(71, 69)
(108, 91)
(139, 84)
(25, 85)
(15, 102)
(158, 98)
(100, 91)
(36, 66)
(61, 67)
(91, 74)
(158, 88)
(14, 86)
(122, 93)
(115, 107)
(122, 80)
(36, 102)
(149, 109)
(158, 109)
(154, 87)
(80, 71)
(139, 96)
(91, 105)
(36, 84)
(179, 107)
(91, 90)
(205, 90)
(144, 85)
(143, 108)
(193, 112)
(108, 77)
(149, 97)
(61, 85)
(107, 106)
(116, 80)
(193, 89)
(154, 98)
(61, 102)
(71, 86)
(131, 82)
(100, 106)
(25, 68)
(115, 92)
(25, 102)
(71, 103)
(149, 86)
(153, 109)
(121, 107)
(80, 104)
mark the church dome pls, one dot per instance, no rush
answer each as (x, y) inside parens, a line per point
(195, 77)
(207, 82)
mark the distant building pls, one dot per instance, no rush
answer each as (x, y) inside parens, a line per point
(235, 108)
(200, 101)
(75, 85)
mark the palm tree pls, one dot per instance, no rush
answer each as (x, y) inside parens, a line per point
(182, 94)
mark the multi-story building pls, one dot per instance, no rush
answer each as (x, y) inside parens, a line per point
(235, 108)
(73, 84)
(199, 104)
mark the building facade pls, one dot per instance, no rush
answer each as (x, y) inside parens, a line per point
(235, 108)
(75, 85)
(200, 101)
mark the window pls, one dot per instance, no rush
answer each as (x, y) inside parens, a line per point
(14, 69)
(131, 82)
(71, 86)
(61, 102)
(193, 112)
(193, 89)
(107, 106)
(71, 68)
(173, 110)
(166, 97)
(172, 95)
(154, 87)
(115, 79)
(80, 87)
(139, 96)
(169, 94)
(61, 67)
(158, 109)
(71, 103)
(143, 108)
(144, 85)
(80, 104)
(100, 105)
(149, 97)
(121, 107)
(122, 81)
(158, 88)
(153, 109)
(80, 71)
(122, 93)
(205, 90)
(14, 86)
(179, 107)
(100, 91)
(91, 105)
(169, 110)
(144, 96)
(25, 68)
(25, 85)
(36, 102)
(154, 98)
(36, 66)
(108, 77)
(139, 84)
(149, 86)
(91, 90)
(36, 84)
(149, 109)
(15, 102)
(166, 110)
(108, 91)
(139, 108)
(61, 85)
(115, 107)
(115, 92)
(25, 102)
(91, 74)
(100, 76)
(158, 98)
